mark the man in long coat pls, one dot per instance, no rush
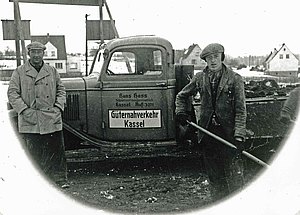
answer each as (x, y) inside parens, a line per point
(37, 94)
(222, 112)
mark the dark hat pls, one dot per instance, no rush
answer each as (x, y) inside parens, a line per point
(35, 45)
(211, 49)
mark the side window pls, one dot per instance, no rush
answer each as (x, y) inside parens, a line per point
(157, 64)
(136, 61)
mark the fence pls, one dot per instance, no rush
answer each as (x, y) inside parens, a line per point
(6, 74)
(280, 80)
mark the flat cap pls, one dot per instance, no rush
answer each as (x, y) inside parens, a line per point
(211, 49)
(35, 45)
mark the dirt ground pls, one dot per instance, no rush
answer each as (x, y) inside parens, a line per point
(148, 185)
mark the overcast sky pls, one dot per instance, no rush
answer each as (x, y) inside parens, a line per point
(253, 27)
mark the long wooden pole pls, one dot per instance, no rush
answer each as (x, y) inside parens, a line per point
(17, 33)
(111, 20)
(252, 157)
(20, 29)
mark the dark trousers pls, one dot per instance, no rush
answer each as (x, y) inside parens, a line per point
(224, 170)
(48, 153)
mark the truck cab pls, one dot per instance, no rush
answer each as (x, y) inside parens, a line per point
(128, 98)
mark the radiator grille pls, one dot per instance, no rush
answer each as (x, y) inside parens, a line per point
(71, 112)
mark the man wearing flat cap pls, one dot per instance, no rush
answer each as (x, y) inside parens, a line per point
(37, 94)
(223, 112)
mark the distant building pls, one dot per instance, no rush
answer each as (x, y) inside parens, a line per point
(282, 63)
(74, 63)
(191, 56)
(55, 53)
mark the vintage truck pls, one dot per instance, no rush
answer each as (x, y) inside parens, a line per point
(125, 106)
(127, 101)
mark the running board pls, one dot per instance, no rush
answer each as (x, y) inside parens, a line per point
(117, 144)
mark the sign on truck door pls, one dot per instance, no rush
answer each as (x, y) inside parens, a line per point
(135, 94)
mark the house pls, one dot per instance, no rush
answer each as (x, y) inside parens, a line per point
(281, 63)
(55, 53)
(269, 58)
(191, 56)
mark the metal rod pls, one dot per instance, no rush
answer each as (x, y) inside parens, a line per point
(86, 45)
(252, 157)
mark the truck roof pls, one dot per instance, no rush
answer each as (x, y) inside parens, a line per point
(141, 39)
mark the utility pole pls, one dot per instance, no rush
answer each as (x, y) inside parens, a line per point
(86, 46)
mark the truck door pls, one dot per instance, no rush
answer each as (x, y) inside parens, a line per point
(136, 94)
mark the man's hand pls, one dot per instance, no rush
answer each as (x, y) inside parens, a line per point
(239, 139)
(182, 118)
(29, 115)
(239, 143)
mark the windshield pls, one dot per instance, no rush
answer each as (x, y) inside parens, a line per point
(97, 63)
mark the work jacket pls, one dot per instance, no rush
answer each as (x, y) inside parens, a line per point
(230, 106)
(39, 92)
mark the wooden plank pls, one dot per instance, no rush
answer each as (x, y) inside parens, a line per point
(93, 30)
(8, 28)
(65, 2)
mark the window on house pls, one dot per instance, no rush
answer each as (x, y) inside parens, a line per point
(58, 65)
(73, 66)
(287, 56)
(52, 53)
(45, 53)
(281, 56)
(193, 61)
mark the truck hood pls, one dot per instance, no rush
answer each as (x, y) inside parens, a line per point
(74, 83)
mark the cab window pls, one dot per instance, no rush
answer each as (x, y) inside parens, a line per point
(135, 61)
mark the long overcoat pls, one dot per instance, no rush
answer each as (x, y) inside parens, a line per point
(230, 106)
(39, 92)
